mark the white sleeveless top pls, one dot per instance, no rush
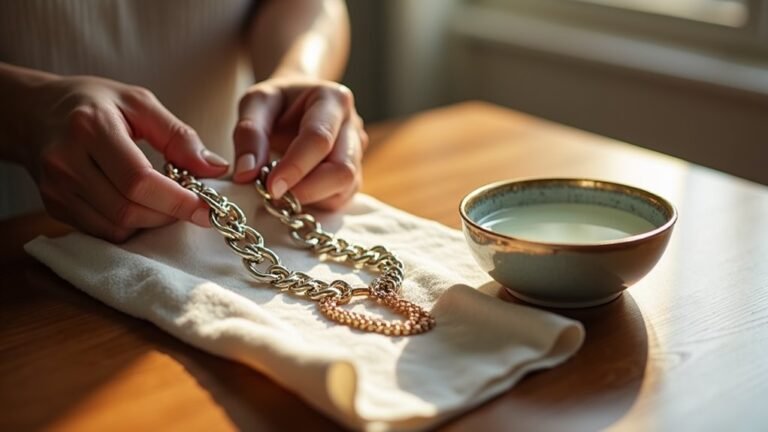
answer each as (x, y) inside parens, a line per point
(190, 53)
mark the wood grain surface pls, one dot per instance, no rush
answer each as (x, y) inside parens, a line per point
(684, 349)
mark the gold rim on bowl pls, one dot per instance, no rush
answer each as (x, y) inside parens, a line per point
(664, 206)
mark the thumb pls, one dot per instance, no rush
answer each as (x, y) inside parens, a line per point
(176, 140)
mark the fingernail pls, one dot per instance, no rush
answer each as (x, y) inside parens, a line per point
(213, 159)
(246, 162)
(200, 217)
(279, 187)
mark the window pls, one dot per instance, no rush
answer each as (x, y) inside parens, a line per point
(730, 13)
(735, 27)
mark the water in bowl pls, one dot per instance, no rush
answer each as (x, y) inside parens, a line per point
(565, 223)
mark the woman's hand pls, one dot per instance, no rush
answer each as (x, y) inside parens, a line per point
(79, 137)
(314, 125)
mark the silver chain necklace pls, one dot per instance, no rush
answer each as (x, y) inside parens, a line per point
(264, 265)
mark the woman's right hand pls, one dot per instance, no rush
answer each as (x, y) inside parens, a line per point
(79, 135)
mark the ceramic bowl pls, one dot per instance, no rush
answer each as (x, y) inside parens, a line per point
(566, 273)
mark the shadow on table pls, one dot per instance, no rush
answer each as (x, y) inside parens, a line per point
(250, 400)
(86, 345)
(599, 385)
(590, 391)
(65, 346)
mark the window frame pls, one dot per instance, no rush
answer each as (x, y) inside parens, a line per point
(749, 40)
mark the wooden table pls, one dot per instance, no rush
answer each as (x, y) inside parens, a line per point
(685, 349)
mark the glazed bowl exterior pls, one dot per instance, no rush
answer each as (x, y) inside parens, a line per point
(566, 275)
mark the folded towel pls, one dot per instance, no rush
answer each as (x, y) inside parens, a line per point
(184, 279)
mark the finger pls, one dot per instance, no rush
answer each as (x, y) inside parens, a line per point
(178, 142)
(280, 139)
(316, 138)
(76, 172)
(326, 180)
(131, 173)
(335, 202)
(364, 138)
(339, 173)
(96, 189)
(92, 222)
(257, 112)
(77, 212)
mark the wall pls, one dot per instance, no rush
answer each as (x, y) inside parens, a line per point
(720, 129)
(706, 106)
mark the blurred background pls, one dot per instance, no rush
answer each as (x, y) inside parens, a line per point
(685, 77)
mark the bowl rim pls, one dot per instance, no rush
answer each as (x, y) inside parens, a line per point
(579, 182)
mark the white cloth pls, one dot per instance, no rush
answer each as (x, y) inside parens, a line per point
(184, 279)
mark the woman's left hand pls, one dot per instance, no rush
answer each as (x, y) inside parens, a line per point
(313, 124)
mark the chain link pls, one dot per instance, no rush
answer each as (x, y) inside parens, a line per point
(265, 266)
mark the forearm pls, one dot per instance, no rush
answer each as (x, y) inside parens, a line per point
(300, 37)
(16, 84)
